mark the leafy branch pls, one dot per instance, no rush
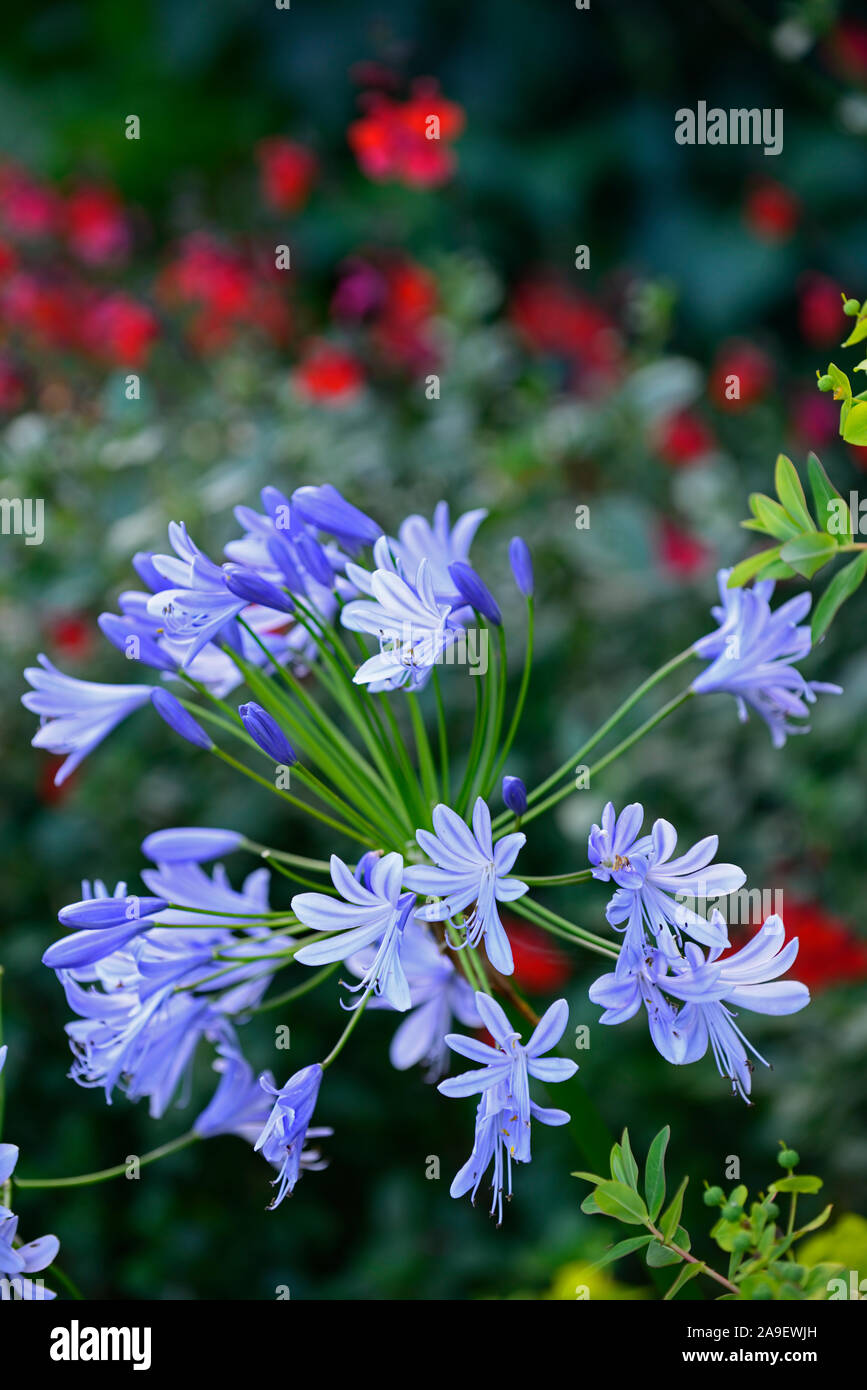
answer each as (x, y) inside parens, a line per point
(761, 1263)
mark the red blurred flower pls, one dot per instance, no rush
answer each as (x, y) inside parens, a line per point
(29, 210)
(13, 384)
(407, 141)
(97, 226)
(752, 369)
(226, 291)
(829, 953)
(540, 966)
(328, 375)
(8, 259)
(681, 554)
(771, 211)
(682, 439)
(71, 634)
(555, 319)
(846, 50)
(286, 173)
(120, 330)
(820, 311)
(815, 419)
(43, 309)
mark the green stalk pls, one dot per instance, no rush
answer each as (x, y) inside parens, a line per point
(442, 734)
(83, 1179)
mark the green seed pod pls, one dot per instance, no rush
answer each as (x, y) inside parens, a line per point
(851, 307)
(713, 1197)
(772, 1210)
(742, 1242)
(825, 383)
(732, 1212)
(788, 1158)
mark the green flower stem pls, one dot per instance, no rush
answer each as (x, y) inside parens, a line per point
(442, 734)
(316, 979)
(84, 1179)
(615, 753)
(580, 876)
(425, 758)
(487, 779)
(488, 744)
(412, 787)
(544, 917)
(55, 1274)
(348, 1030)
(619, 713)
(522, 696)
(305, 806)
(321, 866)
(472, 760)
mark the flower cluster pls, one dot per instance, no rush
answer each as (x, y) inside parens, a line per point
(413, 911)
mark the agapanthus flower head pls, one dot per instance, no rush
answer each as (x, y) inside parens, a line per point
(707, 990)
(471, 872)
(654, 891)
(282, 1139)
(76, 715)
(362, 916)
(752, 654)
(506, 1108)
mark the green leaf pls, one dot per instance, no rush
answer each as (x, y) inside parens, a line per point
(859, 332)
(654, 1173)
(774, 518)
(751, 566)
(588, 1177)
(841, 587)
(855, 427)
(808, 554)
(817, 1221)
(671, 1216)
(798, 1182)
(589, 1206)
(623, 1247)
(629, 1163)
(688, 1272)
(791, 494)
(616, 1199)
(658, 1256)
(828, 502)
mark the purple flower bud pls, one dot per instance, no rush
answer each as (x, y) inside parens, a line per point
(515, 795)
(249, 585)
(476, 593)
(522, 565)
(86, 947)
(324, 508)
(169, 708)
(99, 913)
(190, 844)
(283, 555)
(315, 560)
(267, 734)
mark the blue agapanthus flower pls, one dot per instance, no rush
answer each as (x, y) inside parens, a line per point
(440, 544)
(653, 890)
(751, 655)
(708, 990)
(75, 716)
(471, 872)
(413, 626)
(366, 913)
(506, 1109)
(283, 1137)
